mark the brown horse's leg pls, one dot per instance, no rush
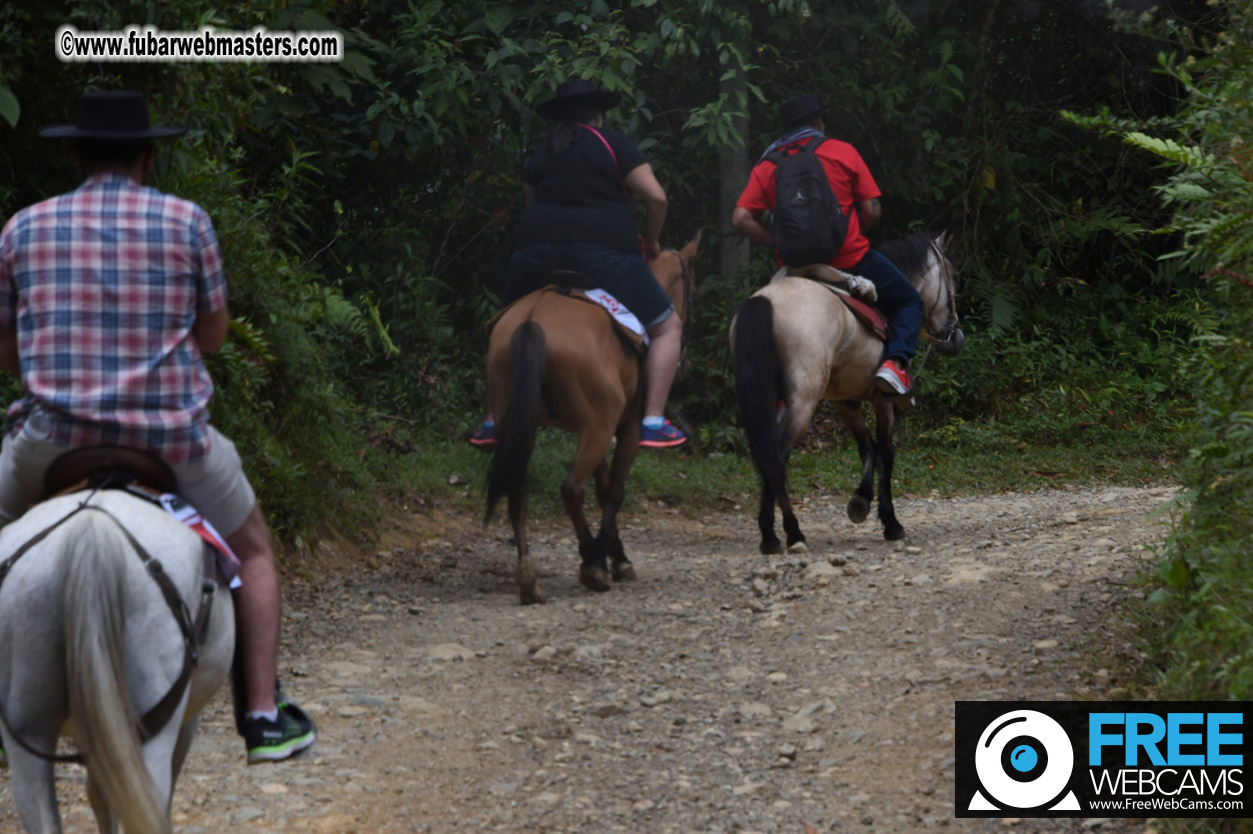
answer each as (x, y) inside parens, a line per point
(528, 580)
(851, 415)
(601, 478)
(593, 444)
(885, 420)
(624, 455)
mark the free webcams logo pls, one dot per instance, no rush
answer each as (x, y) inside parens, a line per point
(1109, 759)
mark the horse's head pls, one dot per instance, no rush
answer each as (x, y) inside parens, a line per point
(673, 269)
(937, 284)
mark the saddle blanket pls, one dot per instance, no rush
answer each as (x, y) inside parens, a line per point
(619, 312)
(228, 562)
(856, 293)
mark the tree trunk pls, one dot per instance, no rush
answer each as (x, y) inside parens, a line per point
(733, 168)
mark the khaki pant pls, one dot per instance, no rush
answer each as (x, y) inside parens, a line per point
(215, 485)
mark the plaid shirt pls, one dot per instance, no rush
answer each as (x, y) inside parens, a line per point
(103, 285)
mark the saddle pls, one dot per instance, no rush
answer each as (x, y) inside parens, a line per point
(582, 286)
(100, 466)
(853, 290)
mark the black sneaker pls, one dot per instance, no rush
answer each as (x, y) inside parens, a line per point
(273, 741)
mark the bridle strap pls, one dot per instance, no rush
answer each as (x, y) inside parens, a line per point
(950, 294)
(156, 718)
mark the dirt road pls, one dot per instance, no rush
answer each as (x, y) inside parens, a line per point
(724, 692)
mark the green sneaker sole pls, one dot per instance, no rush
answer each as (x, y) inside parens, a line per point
(279, 752)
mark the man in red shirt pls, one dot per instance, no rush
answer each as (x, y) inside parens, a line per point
(854, 188)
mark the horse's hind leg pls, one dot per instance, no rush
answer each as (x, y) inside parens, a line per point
(770, 543)
(33, 787)
(885, 419)
(851, 416)
(593, 444)
(800, 410)
(529, 591)
(624, 455)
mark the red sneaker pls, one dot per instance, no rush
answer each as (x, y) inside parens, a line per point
(893, 380)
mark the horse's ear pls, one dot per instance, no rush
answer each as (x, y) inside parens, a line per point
(942, 240)
(688, 252)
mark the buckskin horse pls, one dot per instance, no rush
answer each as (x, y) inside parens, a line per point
(112, 631)
(560, 361)
(794, 340)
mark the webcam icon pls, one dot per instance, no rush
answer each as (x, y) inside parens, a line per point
(1024, 760)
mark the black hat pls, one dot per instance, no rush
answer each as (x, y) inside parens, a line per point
(111, 114)
(577, 93)
(796, 109)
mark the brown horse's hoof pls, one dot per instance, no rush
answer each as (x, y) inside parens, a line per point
(624, 573)
(528, 583)
(858, 509)
(774, 548)
(594, 579)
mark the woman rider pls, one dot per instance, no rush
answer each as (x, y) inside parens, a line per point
(578, 216)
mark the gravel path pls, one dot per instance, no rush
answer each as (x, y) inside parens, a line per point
(724, 692)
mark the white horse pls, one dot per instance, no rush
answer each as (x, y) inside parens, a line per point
(97, 644)
(795, 341)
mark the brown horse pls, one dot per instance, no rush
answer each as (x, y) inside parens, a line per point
(795, 341)
(559, 361)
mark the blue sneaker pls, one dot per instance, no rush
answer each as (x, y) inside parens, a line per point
(484, 437)
(667, 436)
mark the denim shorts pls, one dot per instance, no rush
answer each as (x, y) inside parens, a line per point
(625, 277)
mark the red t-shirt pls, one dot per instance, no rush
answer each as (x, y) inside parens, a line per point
(850, 180)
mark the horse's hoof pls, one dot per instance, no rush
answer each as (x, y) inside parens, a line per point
(798, 547)
(772, 548)
(858, 509)
(531, 596)
(594, 579)
(624, 573)
(894, 533)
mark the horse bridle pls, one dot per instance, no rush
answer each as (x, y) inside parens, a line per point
(950, 291)
(156, 718)
(689, 309)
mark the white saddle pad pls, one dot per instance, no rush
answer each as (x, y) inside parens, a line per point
(619, 311)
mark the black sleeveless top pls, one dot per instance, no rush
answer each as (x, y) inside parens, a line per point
(579, 194)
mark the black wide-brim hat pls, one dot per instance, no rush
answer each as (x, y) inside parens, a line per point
(577, 94)
(111, 114)
(795, 109)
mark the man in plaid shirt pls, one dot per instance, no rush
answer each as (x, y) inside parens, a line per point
(109, 296)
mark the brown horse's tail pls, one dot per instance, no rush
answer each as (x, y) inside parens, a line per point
(758, 387)
(528, 354)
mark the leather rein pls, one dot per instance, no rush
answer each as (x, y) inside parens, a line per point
(193, 635)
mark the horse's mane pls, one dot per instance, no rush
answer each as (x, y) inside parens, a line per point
(908, 253)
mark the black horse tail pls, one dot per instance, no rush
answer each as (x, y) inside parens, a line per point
(506, 475)
(758, 389)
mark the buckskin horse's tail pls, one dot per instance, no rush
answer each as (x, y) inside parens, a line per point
(92, 573)
(758, 387)
(528, 354)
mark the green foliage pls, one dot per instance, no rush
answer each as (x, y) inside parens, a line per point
(1207, 579)
(367, 208)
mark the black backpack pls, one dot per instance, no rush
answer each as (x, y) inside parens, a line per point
(809, 225)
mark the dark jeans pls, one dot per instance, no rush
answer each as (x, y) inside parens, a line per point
(625, 277)
(898, 300)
